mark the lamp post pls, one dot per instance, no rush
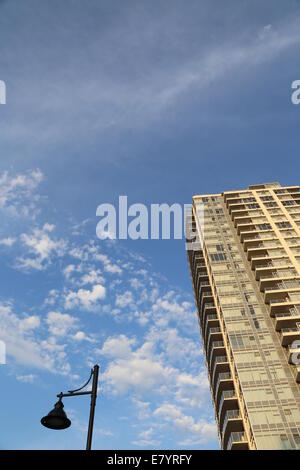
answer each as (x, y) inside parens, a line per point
(57, 418)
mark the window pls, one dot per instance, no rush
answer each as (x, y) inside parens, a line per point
(283, 225)
(280, 191)
(220, 247)
(271, 204)
(288, 203)
(264, 226)
(218, 257)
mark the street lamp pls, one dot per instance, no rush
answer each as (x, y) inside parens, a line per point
(57, 418)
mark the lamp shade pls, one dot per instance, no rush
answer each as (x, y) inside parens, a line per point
(57, 418)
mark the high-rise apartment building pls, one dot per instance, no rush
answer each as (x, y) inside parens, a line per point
(246, 280)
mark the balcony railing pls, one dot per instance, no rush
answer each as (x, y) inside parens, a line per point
(212, 316)
(218, 360)
(290, 330)
(212, 331)
(288, 335)
(230, 414)
(225, 395)
(222, 376)
(215, 344)
(234, 438)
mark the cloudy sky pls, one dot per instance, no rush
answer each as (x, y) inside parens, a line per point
(156, 100)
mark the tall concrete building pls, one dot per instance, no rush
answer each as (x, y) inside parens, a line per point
(246, 278)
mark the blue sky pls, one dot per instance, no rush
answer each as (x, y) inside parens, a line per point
(157, 101)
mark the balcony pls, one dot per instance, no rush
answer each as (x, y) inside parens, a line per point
(233, 422)
(286, 320)
(208, 309)
(237, 441)
(245, 227)
(206, 298)
(277, 280)
(243, 219)
(213, 334)
(261, 261)
(239, 211)
(228, 401)
(217, 349)
(282, 304)
(254, 242)
(224, 382)
(280, 291)
(289, 335)
(237, 207)
(210, 322)
(250, 235)
(269, 270)
(220, 365)
(258, 251)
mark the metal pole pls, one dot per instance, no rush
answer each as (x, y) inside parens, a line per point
(93, 405)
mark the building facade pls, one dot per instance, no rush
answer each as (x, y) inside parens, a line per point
(246, 279)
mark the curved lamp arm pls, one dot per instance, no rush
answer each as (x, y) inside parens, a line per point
(77, 391)
(83, 386)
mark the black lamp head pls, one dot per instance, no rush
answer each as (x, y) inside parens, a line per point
(57, 418)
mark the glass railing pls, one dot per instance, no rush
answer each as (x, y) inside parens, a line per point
(215, 344)
(269, 276)
(207, 329)
(212, 316)
(225, 395)
(222, 376)
(291, 313)
(284, 315)
(209, 305)
(230, 414)
(218, 360)
(212, 331)
(235, 437)
(279, 301)
(290, 330)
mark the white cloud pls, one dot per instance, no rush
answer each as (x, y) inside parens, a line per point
(82, 336)
(68, 270)
(29, 378)
(23, 345)
(196, 431)
(85, 298)
(139, 369)
(60, 323)
(41, 247)
(117, 347)
(17, 192)
(143, 407)
(9, 241)
(30, 322)
(108, 265)
(123, 300)
(146, 438)
(93, 276)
